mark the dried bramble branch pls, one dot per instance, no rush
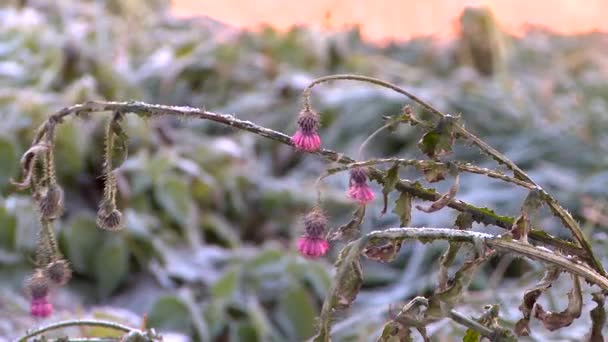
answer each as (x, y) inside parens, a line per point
(378, 245)
(445, 119)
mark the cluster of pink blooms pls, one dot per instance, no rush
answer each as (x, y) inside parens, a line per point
(313, 243)
(40, 307)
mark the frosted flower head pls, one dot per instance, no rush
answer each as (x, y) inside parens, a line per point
(313, 244)
(359, 190)
(307, 137)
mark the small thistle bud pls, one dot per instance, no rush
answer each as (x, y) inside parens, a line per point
(111, 221)
(38, 285)
(359, 190)
(313, 244)
(307, 137)
(51, 203)
(58, 272)
(38, 288)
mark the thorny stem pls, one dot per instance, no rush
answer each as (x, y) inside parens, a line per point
(500, 243)
(555, 207)
(71, 323)
(464, 167)
(144, 109)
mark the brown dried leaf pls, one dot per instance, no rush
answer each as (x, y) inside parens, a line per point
(444, 200)
(530, 297)
(598, 318)
(434, 173)
(351, 229)
(556, 320)
(385, 252)
(521, 227)
(27, 164)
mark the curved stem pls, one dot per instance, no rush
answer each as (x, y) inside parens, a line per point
(83, 322)
(368, 139)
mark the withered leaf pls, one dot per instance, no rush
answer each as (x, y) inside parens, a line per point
(556, 320)
(598, 318)
(351, 229)
(403, 209)
(434, 172)
(444, 200)
(383, 252)
(464, 221)
(438, 141)
(531, 296)
(390, 180)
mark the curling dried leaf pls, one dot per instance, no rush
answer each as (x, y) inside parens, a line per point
(435, 172)
(532, 202)
(351, 229)
(438, 141)
(383, 252)
(598, 318)
(444, 200)
(556, 320)
(530, 297)
(27, 164)
(349, 277)
(403, 209)
(521, 228)
(390, 180)
(446, 260)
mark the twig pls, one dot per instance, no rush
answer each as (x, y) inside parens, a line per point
(472, 324)
(500, 243)
(71, 323)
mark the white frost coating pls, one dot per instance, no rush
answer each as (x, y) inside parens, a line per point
(544, 249)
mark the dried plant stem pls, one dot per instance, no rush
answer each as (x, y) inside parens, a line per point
(472, 324)
(555, 207)
(504, 244)
(72, 323)
(464, 167)
(144, 109)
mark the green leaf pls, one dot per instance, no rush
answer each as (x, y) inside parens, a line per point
(9, 161)
(390, 180)
(81, 239)
(173, 195)
(438, 141)
(298, 310)
(170, 313)
(351, 278)
(243, 332)
(471, 336)
(403, 209)
(227, 287)
(111, 265)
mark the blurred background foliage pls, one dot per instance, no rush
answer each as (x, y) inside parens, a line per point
(211, 213)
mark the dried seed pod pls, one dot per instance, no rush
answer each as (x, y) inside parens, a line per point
(111, 221)
(38, 285)
(58, 272)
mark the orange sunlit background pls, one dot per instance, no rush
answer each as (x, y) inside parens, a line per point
(383, 20)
